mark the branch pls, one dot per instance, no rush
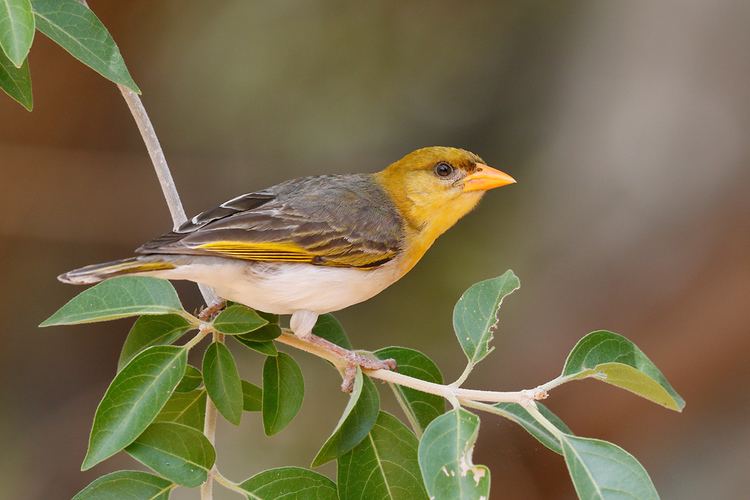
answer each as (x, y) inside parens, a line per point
(177, 212)
(449, 392)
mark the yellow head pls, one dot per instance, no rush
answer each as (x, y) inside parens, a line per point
(434, 187)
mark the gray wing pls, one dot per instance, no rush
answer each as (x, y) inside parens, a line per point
(337, 220)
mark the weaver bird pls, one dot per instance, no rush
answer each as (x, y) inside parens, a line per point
(313, 245)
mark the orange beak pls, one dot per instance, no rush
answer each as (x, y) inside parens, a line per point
(485, 178)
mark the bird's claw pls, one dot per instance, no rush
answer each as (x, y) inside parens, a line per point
(208, 312)
(358, 360)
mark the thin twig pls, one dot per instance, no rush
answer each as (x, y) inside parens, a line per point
(228, 484)
(448, 392)
(177, 212)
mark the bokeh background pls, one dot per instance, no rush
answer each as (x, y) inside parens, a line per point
(625, 123)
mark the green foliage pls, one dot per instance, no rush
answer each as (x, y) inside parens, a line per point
(238, 319)
(358, 418)
(126, 485)
(292, 483)
(76, 29)
(118, 298)
(16, 30)
(521, 416)
(475, 315)
(191, 380)
(16, 82)
(223, 381)
(252, 397)
(602, 470)
(133, 400)
(283, 391)
(383, 465)
(188, 408)
(420, 408)
(152, 330)
(613, 359)
(155, 407)
(445, 458)
(176, 451)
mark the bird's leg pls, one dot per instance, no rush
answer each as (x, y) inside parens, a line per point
(207, 313)
(302, 323)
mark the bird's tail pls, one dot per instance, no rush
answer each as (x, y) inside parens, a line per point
(99, 272)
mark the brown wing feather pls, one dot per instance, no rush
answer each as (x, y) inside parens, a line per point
(344, 221)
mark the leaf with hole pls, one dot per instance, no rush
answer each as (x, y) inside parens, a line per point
(475, 314)
(175, 451)
(16, 82)
(445, 458)
(384, 465)
(265, 348)
(190, 381)
(252, 397)
(16, 29)
(420, 408)
(223, 381)
(118, 298)
(519, 415)
(126, 484)
(75, 28)
(602, 470)
(238, 319)
(133, 400)
(290, 483)
(188, 408)
(614, 359)
(283, 391)
(355, 423)
(152, 330)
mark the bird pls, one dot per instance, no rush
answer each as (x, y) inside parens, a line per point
(317, 244)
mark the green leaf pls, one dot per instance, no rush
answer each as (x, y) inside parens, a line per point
(190, 381)
(264, 348)
(126, 485)
(133, 400)
(614, 359)
(118, 298)
(283, 391)
(475, 314)
(16, 29)
(152, 330)
(519, 415)
(289, 483)
(237, 319)
(602, 470)
(188, 408)
(16, 82)
(262, 334)
(329, 328)
(178, 452)
(420, 408)
(445, 458)
(223, 381)
(252, 397)
(355, 423)
(384, 465)
(76, 29)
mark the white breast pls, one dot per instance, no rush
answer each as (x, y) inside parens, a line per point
(286, 288)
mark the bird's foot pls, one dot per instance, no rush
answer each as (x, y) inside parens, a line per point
(353, 360)
(207, 313)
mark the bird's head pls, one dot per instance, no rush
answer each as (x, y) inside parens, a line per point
(434, 187)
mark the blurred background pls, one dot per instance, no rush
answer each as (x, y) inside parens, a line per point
(625, 123)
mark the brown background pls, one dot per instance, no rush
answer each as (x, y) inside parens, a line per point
(626, 124)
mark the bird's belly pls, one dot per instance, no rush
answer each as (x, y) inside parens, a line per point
(286, 288)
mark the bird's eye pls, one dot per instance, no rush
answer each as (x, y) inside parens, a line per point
(443, 169)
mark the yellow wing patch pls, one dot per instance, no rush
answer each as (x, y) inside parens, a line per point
(262, 251)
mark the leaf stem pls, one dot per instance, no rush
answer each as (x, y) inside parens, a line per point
(228, 484)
